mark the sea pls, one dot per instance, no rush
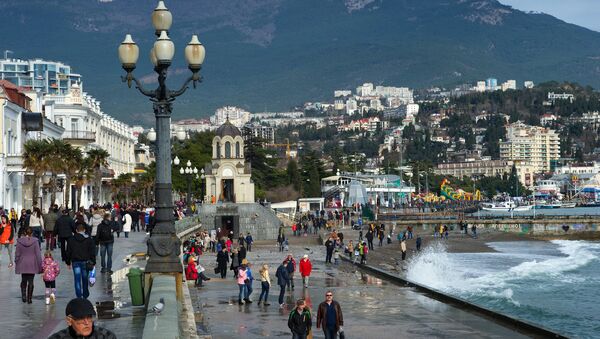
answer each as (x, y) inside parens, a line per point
(554, 284)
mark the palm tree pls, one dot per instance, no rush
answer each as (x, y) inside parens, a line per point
(84, 174)
(34, 159)
(98, 158)
(71, 161)
(54, 163)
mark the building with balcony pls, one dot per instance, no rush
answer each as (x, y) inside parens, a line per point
(487, 168)
(535, 145)
(39, 75)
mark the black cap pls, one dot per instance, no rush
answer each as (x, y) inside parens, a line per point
(79, 308)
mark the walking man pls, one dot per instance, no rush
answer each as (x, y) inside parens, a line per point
(299, 320)
(282, 280)
(329, 317)
(369, 237)
(81, 254)
(249, 242)
(65, 227)
(106, 239)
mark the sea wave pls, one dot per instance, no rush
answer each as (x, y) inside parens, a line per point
(436, 268)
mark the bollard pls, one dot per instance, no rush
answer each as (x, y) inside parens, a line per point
(136, 286)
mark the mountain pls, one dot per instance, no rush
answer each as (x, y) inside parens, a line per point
(274, 54)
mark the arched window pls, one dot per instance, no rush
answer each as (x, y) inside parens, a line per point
(218, 150)
(237, 150)
(227, 149)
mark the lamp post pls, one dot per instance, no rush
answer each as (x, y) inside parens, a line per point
(202, 184)
(163, 245)
(189, 174)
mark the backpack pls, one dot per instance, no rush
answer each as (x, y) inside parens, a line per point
(104, 232)
(366, 249)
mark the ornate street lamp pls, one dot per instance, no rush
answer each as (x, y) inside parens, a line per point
(163, 245)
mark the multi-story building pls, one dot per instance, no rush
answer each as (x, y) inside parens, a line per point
(535, 145)
(192, 125)
(237, 116)
(39, 75)
(402, 111)
(509, 84)
(265, 133)
(487, 168)
(528, 84)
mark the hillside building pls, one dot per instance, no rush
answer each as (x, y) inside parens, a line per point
(532, 144)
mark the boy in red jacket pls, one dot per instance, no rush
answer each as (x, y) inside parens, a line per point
(305, 269)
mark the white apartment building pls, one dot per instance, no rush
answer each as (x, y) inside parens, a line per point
(365, 90)
(591, 168)
(509, 84)
(342, 93)
(528, 84)
(39, 75)
(351, 106)
(488, 168)
(237, 116)
(531, 144)
(192, 125)
(266, 133)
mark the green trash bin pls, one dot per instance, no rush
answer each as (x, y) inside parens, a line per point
(136, 286)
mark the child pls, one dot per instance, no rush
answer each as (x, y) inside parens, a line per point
(51, 270)
(356, 253)
(286, 245)
(191, 272)
(336, 256)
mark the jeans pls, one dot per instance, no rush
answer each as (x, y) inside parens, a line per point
(330, 333)
(243, 292)
(37, 233)
(264, 291)
(281, 293)
(9, 248)
(106, 253)
(249, 290)
(63, 247)
(80, 273)
(126, 234)
(50, 240)
(291, 281)
(298, 336)
(305, 281)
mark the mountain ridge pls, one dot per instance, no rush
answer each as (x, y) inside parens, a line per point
(275, 54)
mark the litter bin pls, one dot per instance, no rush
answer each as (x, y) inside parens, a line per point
(136, 286)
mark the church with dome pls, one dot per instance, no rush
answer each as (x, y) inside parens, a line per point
(228, 177)
(230, 206)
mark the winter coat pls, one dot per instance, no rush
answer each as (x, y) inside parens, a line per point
(103, 231)
(291, 266)
(80, 247)
(222, 258)
(235, 262)
(28, 259)
(51, 269)
(35, 221)
(403, 246)
(322, 315)
(97, 333)
(282, 275)
(305, 267)
(65, 226)
(242, 276)
(8, 234)
(50, 221)
(264, 277)
(94, 222)
(300, 323)
(191, 272)
(127, 222)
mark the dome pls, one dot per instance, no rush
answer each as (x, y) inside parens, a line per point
(228, 129)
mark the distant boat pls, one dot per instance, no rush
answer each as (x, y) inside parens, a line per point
(506, 206)
(568, 205)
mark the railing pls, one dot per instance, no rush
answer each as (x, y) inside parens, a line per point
(80, 135)
(185, 225)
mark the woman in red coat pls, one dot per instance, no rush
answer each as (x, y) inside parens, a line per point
(305, 269)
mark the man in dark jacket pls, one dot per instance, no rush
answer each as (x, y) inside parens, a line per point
(106, 239)
(49, 224)
(282, 280)
(80, 318)
(81, 253)
(329, 316)
(370, 239)
(222, 260)
(299, 320)
(64, 228)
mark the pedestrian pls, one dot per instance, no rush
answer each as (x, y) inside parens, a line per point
(329, 317)
(51, 270)
(242, 253)
(363, 253)
(49, 227)
(249, 242)
(36, 223)
(191, 271)
(249, 280)
(380, 236)
(242, 275)
(265, 284)
(291, 267)
(65, 227)
(357, 250)
(105, 240)
(94, 221)
(329, 247)
(80, 320)
(369, 237)
(474, 230)
(235, 263)
(241, 240)
(81, 255)
(28, 263)
(446, 232)
(7, 238)
(336, 257)
(305, 269)
(280, 240)
(23, 222)
(282, 280)
(299, 320)
(403, 248)
(418, 242)
(222, 260)
(127, 222)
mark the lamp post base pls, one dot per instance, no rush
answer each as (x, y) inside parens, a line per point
(164, 250)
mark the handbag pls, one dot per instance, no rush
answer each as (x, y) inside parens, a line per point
(217, 270)
(247, 281)
(89, 265)
(342, 335)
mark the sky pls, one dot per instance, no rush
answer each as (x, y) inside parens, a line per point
(580, 12)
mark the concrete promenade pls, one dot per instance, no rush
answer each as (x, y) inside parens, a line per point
(372, 307)
(37, 320)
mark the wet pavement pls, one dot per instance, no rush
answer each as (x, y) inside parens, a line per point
(372, 308)
(37, 320)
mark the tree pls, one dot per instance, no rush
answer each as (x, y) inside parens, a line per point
(71, 159)
(34, 160)
(98, 158)
(293, 174)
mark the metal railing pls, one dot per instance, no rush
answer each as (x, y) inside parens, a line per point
(80, 135)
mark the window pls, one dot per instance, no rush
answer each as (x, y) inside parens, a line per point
(237, 150)
(218, 150)
(74, 124)
(227, 149)
(9, 67)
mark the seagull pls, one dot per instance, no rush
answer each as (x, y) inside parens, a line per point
(156, 309)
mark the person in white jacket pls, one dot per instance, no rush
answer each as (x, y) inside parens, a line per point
(127, 222)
